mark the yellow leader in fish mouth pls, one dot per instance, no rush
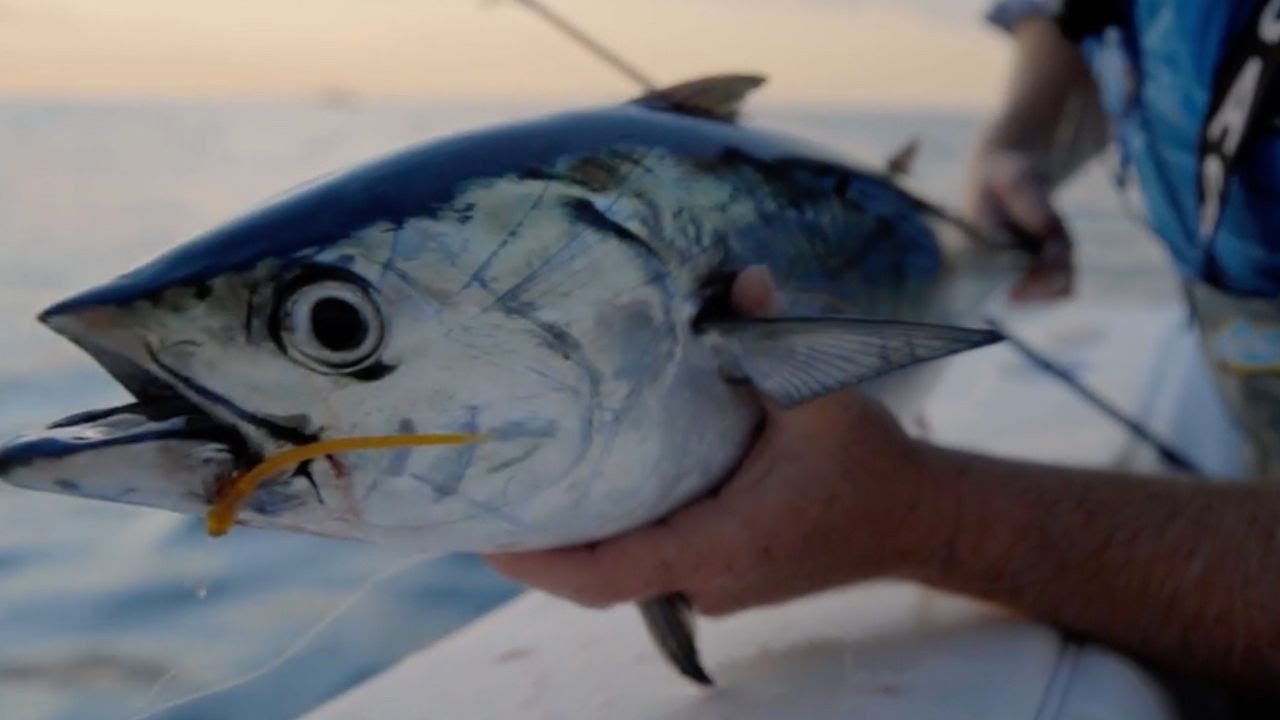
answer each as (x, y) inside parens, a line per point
(222, 515)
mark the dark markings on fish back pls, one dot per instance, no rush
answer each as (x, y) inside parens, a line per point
(584, 211)
(538, 173)
(881, 231)
(596, 170)
(506, 296)
(477, 276)
(389, 261)
(464, 213)
(842, 183)
(604, 172)
(822, 220)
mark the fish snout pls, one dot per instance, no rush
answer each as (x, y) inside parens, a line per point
(79, 320)
(100, 330)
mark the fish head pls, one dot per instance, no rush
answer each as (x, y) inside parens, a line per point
(247, 344)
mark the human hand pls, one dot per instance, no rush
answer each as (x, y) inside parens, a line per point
(829, 494)
(1009, 198)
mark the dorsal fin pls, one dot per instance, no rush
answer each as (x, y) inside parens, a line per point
(901, 162)
(718, 97)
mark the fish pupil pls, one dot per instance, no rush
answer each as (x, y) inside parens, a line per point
(338, 325)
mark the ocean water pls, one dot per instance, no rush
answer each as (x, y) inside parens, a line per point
(115, 612)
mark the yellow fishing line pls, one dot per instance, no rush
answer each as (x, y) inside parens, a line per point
(231, 495)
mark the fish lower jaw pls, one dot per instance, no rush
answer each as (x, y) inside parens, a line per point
(159, 437)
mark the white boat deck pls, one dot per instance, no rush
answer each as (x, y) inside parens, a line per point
(881, 650)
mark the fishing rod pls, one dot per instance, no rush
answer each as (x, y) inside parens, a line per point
(594, 47)
(1040, 360)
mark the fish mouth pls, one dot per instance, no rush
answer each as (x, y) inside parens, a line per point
(161, 451)
(164, 449)
(167, 419)
(185, 447)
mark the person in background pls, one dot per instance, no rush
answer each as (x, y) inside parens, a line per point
(1183, 574)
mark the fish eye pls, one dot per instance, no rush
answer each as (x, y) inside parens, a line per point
(331, 326)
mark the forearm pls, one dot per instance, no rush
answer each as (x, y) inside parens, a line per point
(1182, 574)
(1051, 108)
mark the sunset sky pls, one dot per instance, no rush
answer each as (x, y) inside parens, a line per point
(850, 52)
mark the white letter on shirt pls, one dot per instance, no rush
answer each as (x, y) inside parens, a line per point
(1228, 125)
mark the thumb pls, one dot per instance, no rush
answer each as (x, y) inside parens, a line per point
(755, 294)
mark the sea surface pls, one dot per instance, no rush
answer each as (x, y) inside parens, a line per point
(109, 612)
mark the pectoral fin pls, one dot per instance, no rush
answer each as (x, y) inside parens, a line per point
(795, 360)
(670, 623)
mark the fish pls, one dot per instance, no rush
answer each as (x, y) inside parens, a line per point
(548, 297)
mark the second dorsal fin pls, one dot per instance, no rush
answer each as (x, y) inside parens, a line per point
(901, 162)
(718, 97)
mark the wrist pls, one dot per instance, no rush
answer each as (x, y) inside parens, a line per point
(919, 532)
(1018, 133)
(1047, 69)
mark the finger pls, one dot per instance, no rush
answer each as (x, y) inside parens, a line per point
(576, 574)
(985, 213)
(1023, 199)
(1019, 194)
(1043, 284)
(755, 294)
(654, 560)
(1051, 275)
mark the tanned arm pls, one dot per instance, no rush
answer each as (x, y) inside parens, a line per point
(1051, 111)
(1180, 573)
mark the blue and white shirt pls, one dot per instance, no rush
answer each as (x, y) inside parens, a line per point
(1155, 69)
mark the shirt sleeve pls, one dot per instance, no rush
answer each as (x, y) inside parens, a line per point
(1006, 14)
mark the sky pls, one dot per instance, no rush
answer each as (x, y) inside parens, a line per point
(914, 53)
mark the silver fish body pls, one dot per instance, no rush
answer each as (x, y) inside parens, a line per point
(544, 283)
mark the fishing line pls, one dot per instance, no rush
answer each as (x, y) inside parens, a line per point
(222, 517)
(1042, 361)
(592, 46)
(155, 689)
(298, 645)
